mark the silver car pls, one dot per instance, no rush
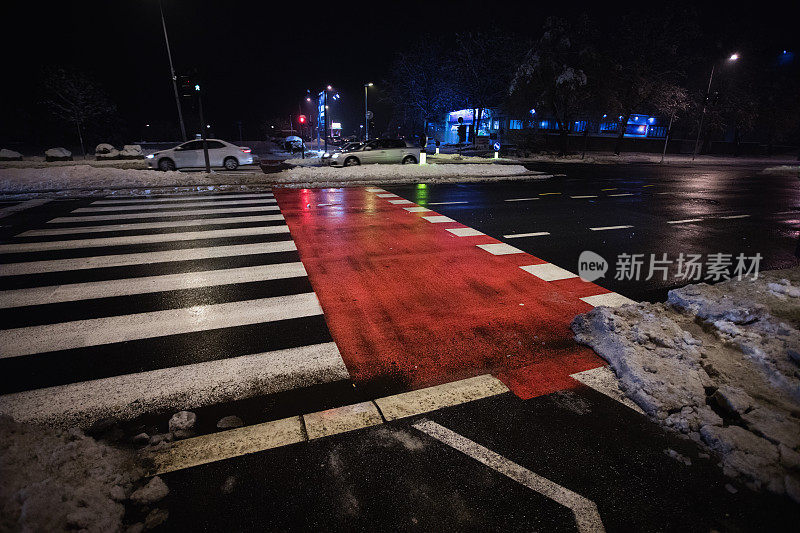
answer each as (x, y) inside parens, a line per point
(190, 155)
(377, 151)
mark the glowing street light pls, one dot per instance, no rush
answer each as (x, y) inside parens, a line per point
(732, 58)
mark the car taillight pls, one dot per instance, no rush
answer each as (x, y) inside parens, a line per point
(245, 150)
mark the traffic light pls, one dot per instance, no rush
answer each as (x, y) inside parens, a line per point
(301, 119)
(187, 85)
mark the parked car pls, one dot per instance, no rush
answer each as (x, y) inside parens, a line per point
(377, 151)
(190, 155)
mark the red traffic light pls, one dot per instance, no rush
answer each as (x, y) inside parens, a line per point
(301, 119)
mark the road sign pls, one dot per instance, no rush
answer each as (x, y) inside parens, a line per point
(496, 146)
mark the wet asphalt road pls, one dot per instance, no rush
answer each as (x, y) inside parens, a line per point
(647, 198)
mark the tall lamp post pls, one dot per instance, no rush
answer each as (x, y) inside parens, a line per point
(172, 72)
(731, 59)
(366, 112)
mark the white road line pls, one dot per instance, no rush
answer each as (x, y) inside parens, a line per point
(438, 219)
(30, 340)
(602, 380)
(500, 248)
(127, 286)
(22, 206)
(610, 299)
(140, 239)
(465, 232)
(209, 203)
(548, 272)
(445, 203)
(145, 258)
(341, 420)
(585, 196)
(401, 202)
(684, 221)
(145, 199)
(374, 189)
(605, 228)
(735, 216)
(226, 444)
(521, 235)
(520, 199)
(548, 193)
(182, 387)
(151, 225)
(187, 212)
(622, 194)
(387, 195)
(587, 517)
(787, 213)
(417, 209)
(429, 399)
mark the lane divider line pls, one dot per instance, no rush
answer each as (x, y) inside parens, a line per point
(605, 228)
(585, 196)
(622, 194)
(520, 199)
(735, 216)
(521, 235)
(684, 221)
(548, 193)
(548, 272)
(587, 517)
(232, 443)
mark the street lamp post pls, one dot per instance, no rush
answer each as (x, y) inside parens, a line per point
(366, 112)
(732, 58)
(172, 72)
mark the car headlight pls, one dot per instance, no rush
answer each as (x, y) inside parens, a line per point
(151, 156)
(326, 154)
(335, 156)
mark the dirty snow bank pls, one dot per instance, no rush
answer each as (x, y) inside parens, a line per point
(720, 364)
(59, 480)
(86, 176)
(782, 169)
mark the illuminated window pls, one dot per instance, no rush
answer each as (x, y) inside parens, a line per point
(515, 124)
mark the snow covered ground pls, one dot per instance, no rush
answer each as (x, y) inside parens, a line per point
(783, 169)
(39, 162)
(62, 480)
(606, 158)
(718, 363)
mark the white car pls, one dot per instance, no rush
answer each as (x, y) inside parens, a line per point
(190, 155)
(377, 151)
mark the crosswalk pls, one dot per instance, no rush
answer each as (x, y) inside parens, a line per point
(128, 306)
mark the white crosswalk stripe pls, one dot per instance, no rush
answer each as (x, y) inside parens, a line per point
(120, 332)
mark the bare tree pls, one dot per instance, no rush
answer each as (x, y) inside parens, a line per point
(75, 98)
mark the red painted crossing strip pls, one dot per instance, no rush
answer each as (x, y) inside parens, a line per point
(409, 302)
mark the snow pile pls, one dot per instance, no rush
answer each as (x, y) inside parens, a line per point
(10, 155)
(132, 151)
(57, 154)
(720, 364)
(59, 480)
(305, 162)
(411, 173)
(106, 151)
(461, 159)
(782, 169)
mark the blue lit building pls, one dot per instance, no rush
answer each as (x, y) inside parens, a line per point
(496, 125)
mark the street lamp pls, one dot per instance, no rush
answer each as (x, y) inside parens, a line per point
(366, 111)
(731, 59)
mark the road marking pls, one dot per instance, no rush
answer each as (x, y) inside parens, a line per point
(734, 216)
(400, 202)
(180, 213)
(445, 203)
(610, 299)
(432, 398)
(604, 228)
(387, 195)
(603, 380)
(172, 198)
(341, 420)
(22, 206)
(31, 340)
(151, 225)
(521, 235)
(520, 199)
(127, 286)
(465, 232)
(622, 194)
(438, 219)
(374, 189)
(208, 203)
(651, 185)
(417, 209)
(609, 189)
(128, 396)
(548, 193)
(500, 248)
(144, 258)
(587, 517)
(226, 445)
(788, 213)
(140, 239)
(548, 272)
(585, 196)
(684, 221)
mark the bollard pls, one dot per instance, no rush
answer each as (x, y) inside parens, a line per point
(496, 155)
(437, 150)
(422, 156)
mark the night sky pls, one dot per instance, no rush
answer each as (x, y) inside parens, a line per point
(256, 59)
